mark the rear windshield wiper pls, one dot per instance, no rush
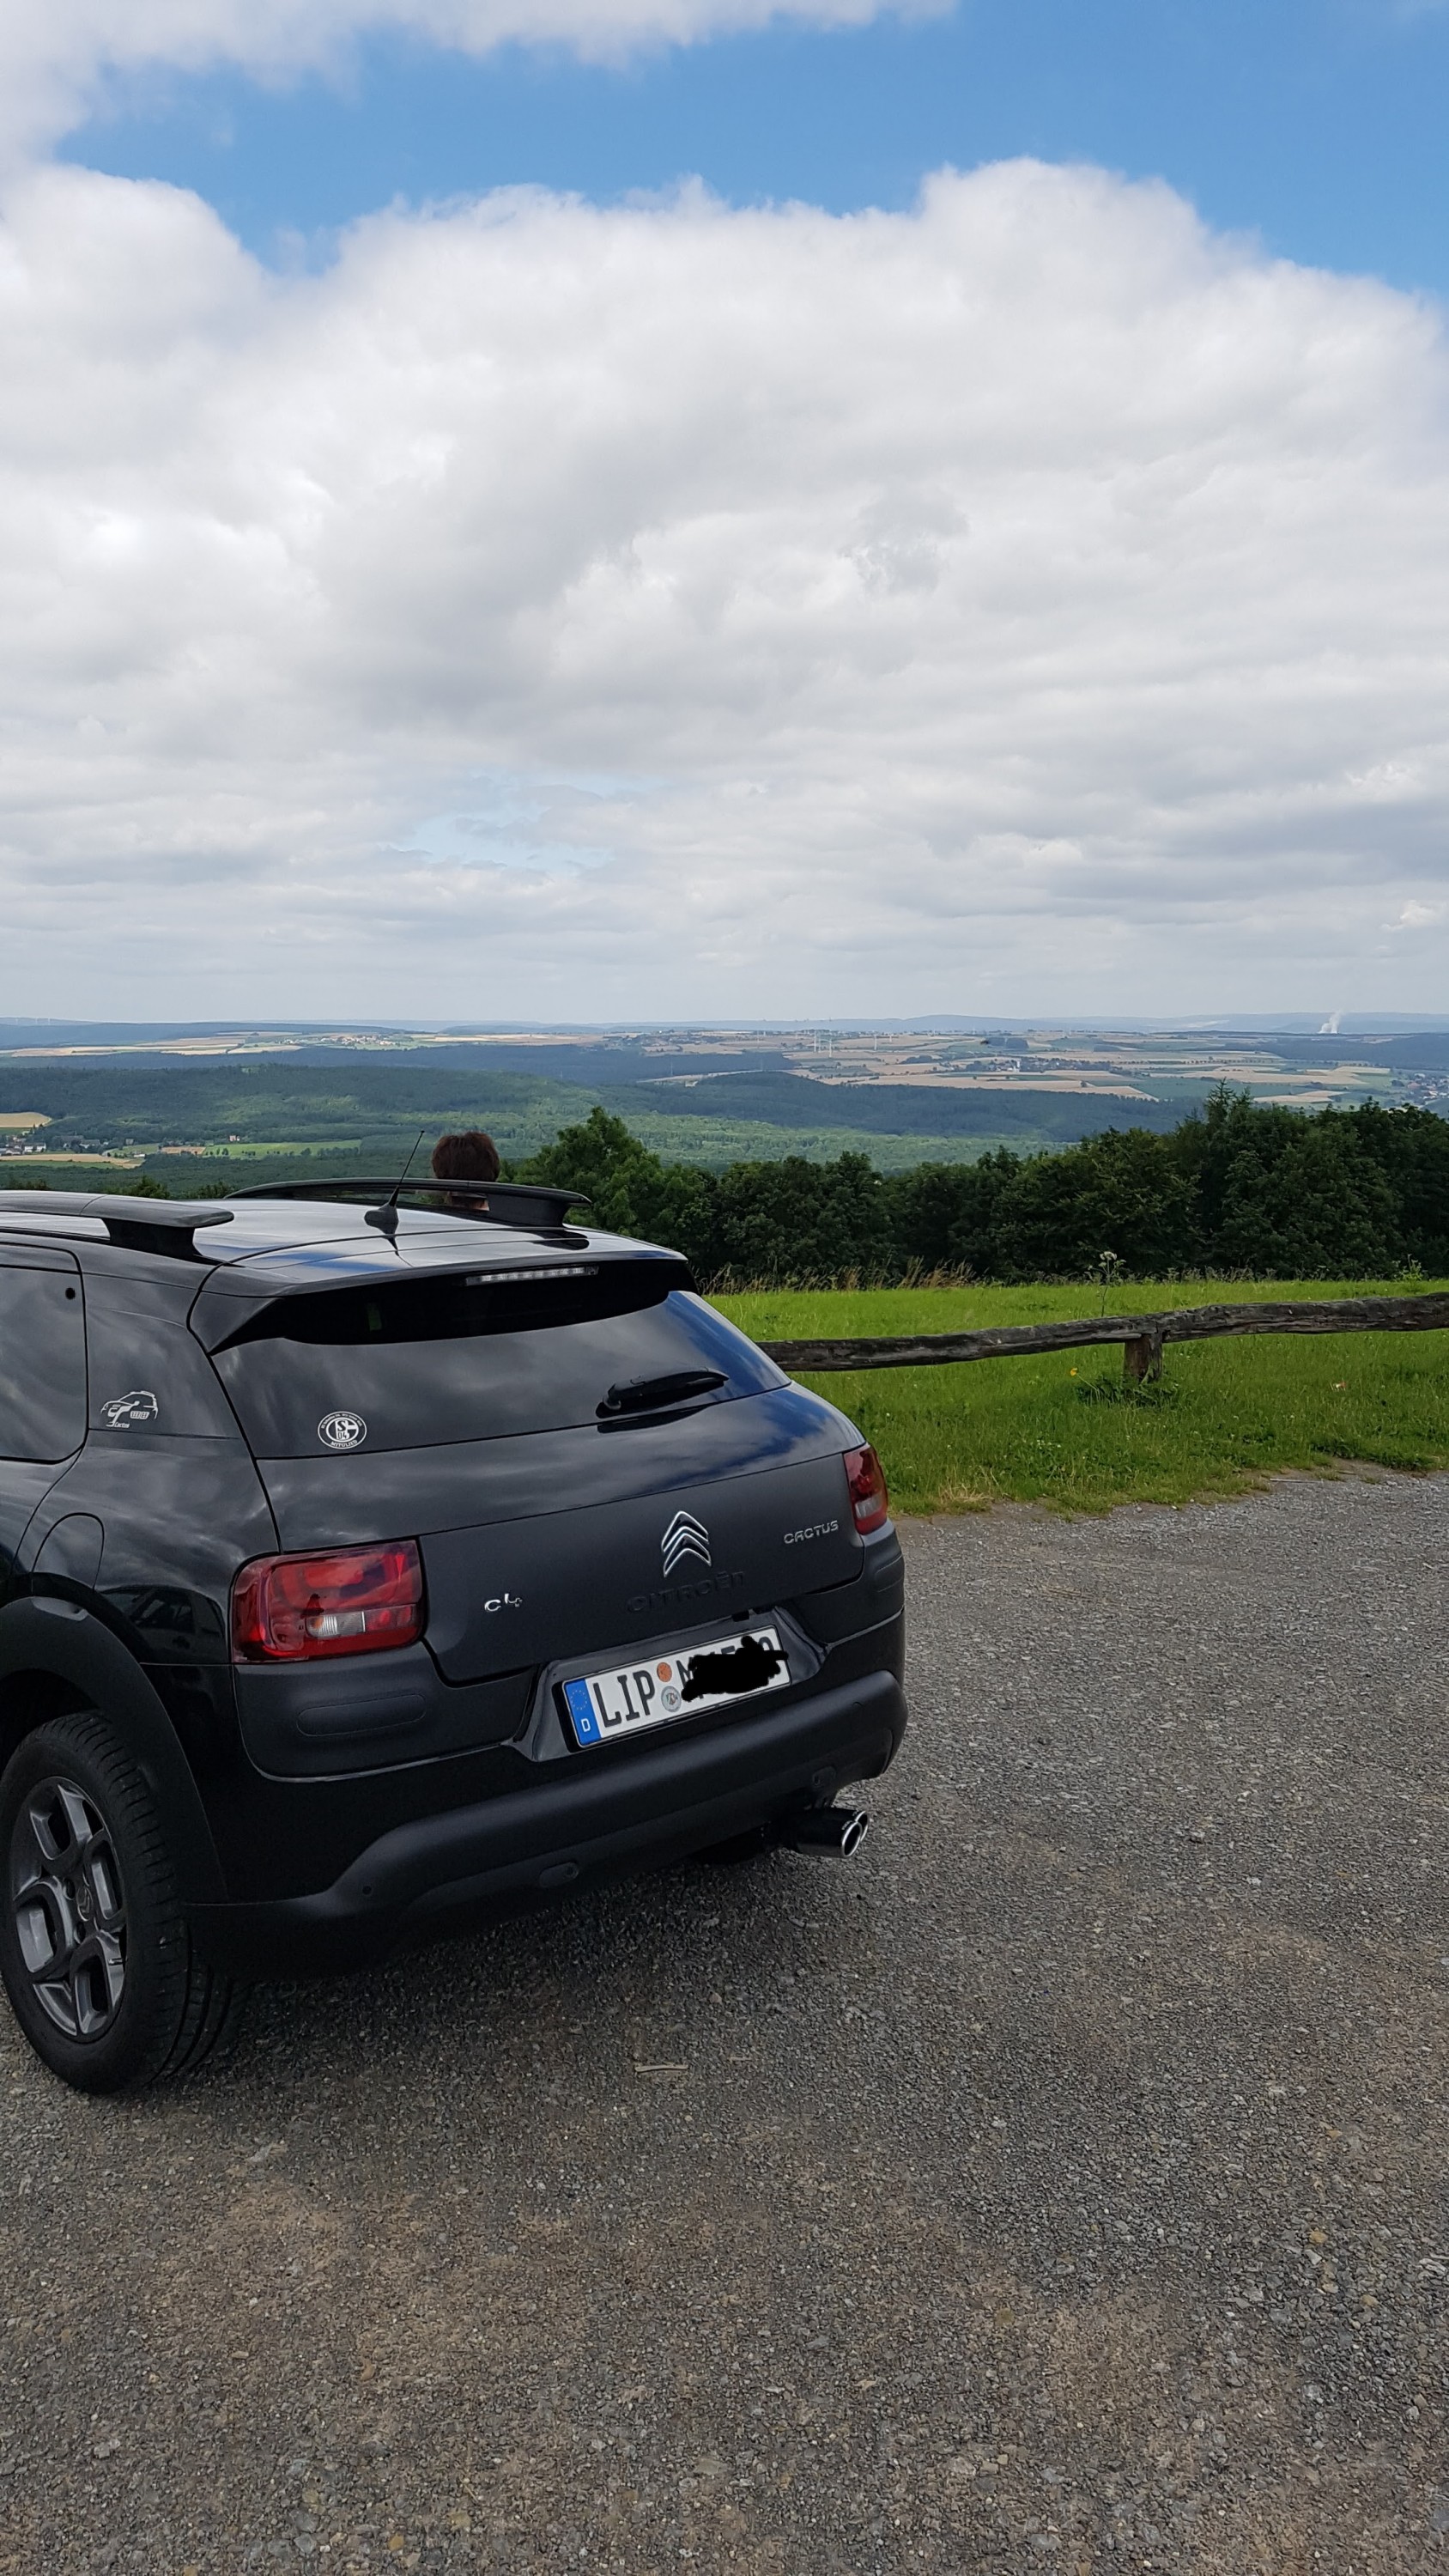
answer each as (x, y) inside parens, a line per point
(647, 1394)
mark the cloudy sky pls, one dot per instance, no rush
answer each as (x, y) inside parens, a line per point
(650, 508)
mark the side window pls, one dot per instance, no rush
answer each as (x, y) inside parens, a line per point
(42, 1363)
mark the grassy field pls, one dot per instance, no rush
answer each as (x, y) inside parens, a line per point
(712, 1142)
(270, 1113)
(1063, 1431)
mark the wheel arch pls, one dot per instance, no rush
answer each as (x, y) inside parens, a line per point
(51, 1666)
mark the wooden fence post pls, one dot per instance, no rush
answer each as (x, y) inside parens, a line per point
(1142, 1360)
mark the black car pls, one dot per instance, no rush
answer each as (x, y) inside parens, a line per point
(367, 1568)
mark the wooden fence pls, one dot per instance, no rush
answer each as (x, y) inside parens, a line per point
(1142, 1336)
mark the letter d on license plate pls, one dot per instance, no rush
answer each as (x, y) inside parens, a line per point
(604, 1706)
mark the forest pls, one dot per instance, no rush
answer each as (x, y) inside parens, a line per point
(1239, 1189)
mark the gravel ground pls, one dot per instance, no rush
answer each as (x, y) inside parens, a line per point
(1060, 2183)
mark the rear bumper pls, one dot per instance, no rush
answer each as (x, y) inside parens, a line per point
(609, 1814)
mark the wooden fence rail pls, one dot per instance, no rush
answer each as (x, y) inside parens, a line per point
(1142, 1336)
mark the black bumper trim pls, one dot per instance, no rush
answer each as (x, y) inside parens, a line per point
(622, 1812)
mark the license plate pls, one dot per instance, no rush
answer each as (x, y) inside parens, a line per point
(605, 1706)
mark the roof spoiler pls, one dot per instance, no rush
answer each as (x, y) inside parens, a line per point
(141, 1225)
(531, 1205)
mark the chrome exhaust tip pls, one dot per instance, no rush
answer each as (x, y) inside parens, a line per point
(831, 1832)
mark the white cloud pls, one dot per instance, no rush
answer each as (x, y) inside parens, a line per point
(57, 58)
(1030, 601)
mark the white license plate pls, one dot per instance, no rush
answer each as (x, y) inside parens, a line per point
(605, 1706)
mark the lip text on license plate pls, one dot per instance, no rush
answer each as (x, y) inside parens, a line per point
(605, 1706)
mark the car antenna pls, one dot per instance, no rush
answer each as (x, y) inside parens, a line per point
(385, 1217)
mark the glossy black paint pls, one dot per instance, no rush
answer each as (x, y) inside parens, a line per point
(55, 1655)
(529, 1589)
(276, 1783)
(646, 1806)
(316, 1721)
(470, 1484)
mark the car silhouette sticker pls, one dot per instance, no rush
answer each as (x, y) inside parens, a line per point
(123, 1412)
(342, 1431)
(685, 1536)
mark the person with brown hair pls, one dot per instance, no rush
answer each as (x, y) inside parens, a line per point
(471, 1156)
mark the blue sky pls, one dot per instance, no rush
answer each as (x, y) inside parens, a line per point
(1318, 124)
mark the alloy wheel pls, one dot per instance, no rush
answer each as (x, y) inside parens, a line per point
(68, 1908)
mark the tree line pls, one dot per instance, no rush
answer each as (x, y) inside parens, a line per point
(1242, 1187)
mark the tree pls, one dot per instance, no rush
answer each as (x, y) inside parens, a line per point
(630, 1191)
(1317, 1208)
(1246, 1185)
(1411, 1148)
(800, 1221)
(1121, 1193)
(947, 1216)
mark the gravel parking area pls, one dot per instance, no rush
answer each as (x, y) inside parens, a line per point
(1060, 2182)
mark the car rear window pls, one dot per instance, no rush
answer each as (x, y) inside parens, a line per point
(420, 1363)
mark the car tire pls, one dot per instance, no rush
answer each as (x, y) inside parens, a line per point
(95, 1953)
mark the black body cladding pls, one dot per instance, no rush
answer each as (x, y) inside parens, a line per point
(592, 1465)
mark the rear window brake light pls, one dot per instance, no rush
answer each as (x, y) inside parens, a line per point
(553, 1270)
(348, 1601)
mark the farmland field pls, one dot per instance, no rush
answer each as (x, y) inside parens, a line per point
(1062, 1431)
(285, 1116)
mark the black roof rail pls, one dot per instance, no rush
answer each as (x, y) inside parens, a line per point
(533, 1205)
(141, 1225)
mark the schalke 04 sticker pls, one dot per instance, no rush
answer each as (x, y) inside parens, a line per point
(342, 1431)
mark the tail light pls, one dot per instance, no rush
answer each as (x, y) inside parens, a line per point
(869, 1500)
(292, 1609)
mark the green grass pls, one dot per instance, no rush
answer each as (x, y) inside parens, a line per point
(1062, 1431)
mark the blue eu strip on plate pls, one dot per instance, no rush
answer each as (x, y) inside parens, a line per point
(581, 1710)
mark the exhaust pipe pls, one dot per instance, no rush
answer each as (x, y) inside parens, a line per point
(831, 1832)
